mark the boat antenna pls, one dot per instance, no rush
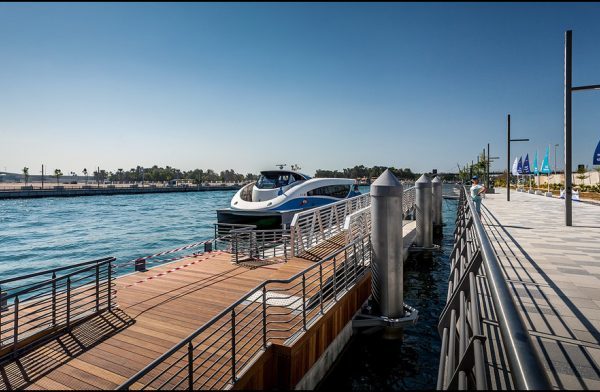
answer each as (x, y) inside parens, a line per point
(281, 165)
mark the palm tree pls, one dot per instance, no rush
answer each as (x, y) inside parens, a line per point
(85, 173)
(57, 174)
(26, 175)
(120, 175)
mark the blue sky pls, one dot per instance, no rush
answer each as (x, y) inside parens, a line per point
(321, 85)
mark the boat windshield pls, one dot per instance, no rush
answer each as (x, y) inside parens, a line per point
(272, 180)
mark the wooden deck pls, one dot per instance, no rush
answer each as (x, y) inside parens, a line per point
(156, 310)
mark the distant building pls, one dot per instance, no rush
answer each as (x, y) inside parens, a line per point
(181, 182)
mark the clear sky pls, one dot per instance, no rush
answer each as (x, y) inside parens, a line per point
(242, 86)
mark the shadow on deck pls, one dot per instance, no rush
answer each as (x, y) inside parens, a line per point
(31, 366)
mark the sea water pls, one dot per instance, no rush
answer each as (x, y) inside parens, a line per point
(370, 362)
(45, 233)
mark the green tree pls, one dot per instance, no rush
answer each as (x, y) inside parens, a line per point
(57, 173)
(26, 175)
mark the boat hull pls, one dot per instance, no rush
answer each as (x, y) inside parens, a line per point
(263, 220)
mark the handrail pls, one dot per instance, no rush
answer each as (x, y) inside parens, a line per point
(45, 272)
(305, 300)
(358, 223)
(473, 256)
(41, 310)
(526, 367)
(312, 226)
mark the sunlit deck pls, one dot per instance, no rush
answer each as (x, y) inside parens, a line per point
(156, 309)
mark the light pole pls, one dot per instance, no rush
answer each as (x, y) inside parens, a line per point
(568, 125)
(556, 145)
(508, 140)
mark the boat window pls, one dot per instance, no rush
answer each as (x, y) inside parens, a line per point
(339, 191)
(274, 180)
(298, 177)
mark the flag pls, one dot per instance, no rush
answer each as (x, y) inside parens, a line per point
(545, 165)
(535, 165)
(526, 169)
(597, 155)
(520, 166)
(514, 167)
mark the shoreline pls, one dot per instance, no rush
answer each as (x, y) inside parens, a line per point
(66, 192)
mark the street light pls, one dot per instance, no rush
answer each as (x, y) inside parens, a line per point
(568, 124)
(508, 140)
(556, 145)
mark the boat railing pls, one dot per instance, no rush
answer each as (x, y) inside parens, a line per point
(277, 311)
(475, 274)
(38, 306)
(310, 227)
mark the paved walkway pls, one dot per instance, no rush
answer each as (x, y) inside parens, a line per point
(554, 272)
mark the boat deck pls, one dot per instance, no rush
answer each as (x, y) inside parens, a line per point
(156, 309)
(554, 273)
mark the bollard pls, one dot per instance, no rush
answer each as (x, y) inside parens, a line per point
(423, 203)
(208, 247)
(386, 236)
(140, 265)
(437, 204)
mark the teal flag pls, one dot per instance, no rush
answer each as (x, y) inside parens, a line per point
(545, 165)
(535, 165)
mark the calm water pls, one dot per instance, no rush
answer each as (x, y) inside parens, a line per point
(37, 234)
(370, 362)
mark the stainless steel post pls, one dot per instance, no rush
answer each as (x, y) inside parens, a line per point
(568, 131)
(424, 219)
(508, 159)
(437, 203)
(386, 229)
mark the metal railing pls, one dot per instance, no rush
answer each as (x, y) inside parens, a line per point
(218, 353)
(245, 243)
(463, 361)
(358, 223)
(309, 228)
(38, 306)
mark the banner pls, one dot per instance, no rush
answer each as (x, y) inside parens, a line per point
(520, 166)
(526, 169)
(597, 155)
(545, 165)
(514, 167)
(535, 165)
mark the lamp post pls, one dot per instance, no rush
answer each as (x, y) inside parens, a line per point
(508, 140)
(568, 125)
(556, 145)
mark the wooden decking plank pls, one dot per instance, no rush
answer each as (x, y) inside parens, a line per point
(161, 312)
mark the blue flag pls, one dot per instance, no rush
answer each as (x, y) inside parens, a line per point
(545, 164)
(535, 165)
(526, 169)
(597, 155)
(520, 166)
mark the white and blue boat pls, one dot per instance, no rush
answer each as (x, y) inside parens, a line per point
(277, 195)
